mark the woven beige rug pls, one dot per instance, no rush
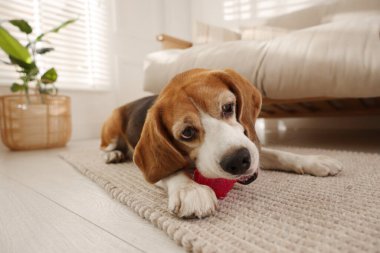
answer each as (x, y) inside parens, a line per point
(279, 212)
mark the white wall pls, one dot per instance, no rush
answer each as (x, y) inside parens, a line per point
(177, 18)
(209, 12)
(135, 27)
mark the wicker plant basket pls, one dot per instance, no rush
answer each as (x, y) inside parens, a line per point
(43, 122)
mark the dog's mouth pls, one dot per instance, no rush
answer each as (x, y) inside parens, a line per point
(247, 179)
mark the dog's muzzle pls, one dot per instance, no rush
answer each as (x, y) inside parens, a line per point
(237, 162)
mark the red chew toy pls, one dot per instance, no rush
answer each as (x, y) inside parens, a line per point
(220, 186)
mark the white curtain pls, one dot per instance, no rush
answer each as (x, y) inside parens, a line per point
(81, 55)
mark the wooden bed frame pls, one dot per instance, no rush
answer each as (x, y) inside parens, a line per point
(308, 107)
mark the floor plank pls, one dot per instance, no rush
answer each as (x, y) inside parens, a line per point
(31, 223)
(53, 178)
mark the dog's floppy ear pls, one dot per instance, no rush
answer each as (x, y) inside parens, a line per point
(155, 153)
(248, 101)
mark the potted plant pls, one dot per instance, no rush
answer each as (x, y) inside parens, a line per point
(36, 116)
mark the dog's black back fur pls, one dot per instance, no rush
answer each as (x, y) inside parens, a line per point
(134, 115)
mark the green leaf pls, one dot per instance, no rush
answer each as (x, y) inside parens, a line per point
(42, 91)
(32, 43)
(17, 87)
(50, 91)
(22, 25)
(56, 29)
(50, 76)
(33, 72)
(64, 24)
(12, 47)
(44, 50)
(27, 68)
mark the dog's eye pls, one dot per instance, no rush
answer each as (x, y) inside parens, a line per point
(228, 109)
(188, 133)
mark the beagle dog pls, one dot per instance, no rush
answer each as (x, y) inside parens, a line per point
(204, 119)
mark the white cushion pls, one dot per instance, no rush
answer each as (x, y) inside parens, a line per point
(262, 32)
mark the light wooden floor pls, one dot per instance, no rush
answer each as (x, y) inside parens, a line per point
(47, 206)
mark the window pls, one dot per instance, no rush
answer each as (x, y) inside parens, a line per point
(237, 9)
(81, 55)
(250, 9)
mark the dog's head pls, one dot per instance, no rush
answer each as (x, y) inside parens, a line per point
(204, 118)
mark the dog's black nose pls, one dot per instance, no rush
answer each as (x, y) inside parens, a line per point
(237, 162)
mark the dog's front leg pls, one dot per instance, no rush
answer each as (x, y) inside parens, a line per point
(187, 198)
(316, 165)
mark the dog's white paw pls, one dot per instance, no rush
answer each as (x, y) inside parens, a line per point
(320, 166)
(114, 156)
(192, 200)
